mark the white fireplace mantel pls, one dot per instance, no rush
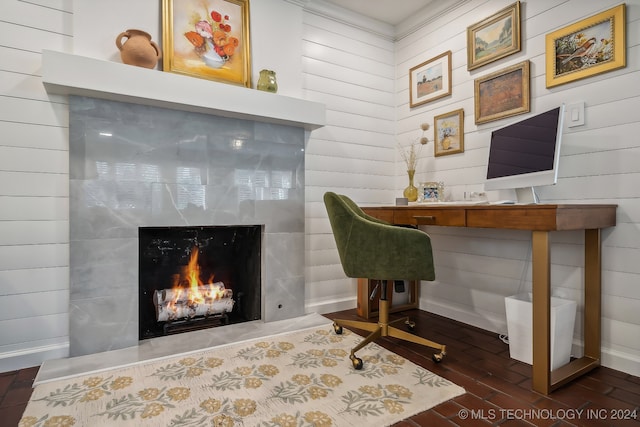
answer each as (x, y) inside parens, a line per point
(68, 74)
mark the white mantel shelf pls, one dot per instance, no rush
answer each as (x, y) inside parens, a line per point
(67, 74)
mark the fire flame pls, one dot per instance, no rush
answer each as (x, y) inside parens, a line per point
(197, 292)
(190, 298)
(193, 276)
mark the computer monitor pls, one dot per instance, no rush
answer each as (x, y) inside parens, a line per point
(525, 154)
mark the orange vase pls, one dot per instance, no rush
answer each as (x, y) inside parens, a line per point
(138, 49)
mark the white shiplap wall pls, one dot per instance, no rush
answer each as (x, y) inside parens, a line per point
(34, 218)
(352, 72)
(476, 269)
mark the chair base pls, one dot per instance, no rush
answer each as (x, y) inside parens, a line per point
(384, 328)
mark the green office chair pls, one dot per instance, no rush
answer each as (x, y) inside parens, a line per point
(373, 249)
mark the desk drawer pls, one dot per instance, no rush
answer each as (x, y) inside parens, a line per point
(380, 213)
(443, 217)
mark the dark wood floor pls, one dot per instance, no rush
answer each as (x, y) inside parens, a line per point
(15, 391)
(498, 389)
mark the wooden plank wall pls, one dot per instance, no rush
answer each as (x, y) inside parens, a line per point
(351, 71)
(34, 218)
(476, 269)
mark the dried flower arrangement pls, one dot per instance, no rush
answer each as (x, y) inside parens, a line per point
(411, 155)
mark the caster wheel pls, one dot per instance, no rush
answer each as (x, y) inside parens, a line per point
(357, 363)
(411, 325)
(337, 329)
(438, 357)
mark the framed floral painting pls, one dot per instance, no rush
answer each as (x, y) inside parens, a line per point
(208, 39)
(430, 80)
(448, 132)
(588, 47)
(504, 93)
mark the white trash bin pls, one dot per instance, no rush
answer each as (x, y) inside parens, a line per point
(520, 330)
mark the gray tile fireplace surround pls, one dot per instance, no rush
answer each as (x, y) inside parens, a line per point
(133, 165)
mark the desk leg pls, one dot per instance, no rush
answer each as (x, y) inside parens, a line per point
(545, 381)
(541, 287)
(592, 294)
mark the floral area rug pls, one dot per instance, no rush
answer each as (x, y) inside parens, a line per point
(302, 378)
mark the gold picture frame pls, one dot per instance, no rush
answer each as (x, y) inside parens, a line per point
(588, 47)
(430, 80)
(207, 39)
(494, 37)
(448, 133)
(502, 94)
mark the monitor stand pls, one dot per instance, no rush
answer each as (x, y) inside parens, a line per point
(526, 196)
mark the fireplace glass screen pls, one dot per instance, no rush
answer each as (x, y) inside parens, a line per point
(198, 277)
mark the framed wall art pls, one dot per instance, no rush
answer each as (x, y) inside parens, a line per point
(586, 48)
(448, 132)
(208, 39)
(430, 80)
(502, 94)
(494, 37)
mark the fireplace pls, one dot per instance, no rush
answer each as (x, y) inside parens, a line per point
(136, 167)
(197, 277)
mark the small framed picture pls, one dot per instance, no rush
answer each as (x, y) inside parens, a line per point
(430, 80)
(494, 37)
(431, 192)
(592, 46)
(502, 94)
(448, 132)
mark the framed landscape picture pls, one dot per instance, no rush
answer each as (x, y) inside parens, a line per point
(207, 39)
(494, 37)
(430, 80)
(449, 133)
(502, 94)
(592, 46)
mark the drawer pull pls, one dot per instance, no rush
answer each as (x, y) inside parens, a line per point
(425, 220)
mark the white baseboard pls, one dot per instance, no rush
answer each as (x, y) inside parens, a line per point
(27, 358)
(330, 306)
(620, 361)
(481, 320)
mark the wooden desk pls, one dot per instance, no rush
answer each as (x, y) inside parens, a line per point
(541, 220)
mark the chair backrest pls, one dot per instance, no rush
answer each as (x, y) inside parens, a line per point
(356, 209)
(371, 248)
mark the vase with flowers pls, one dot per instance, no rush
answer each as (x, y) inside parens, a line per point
(444, 134)
(410, 157)
(212, 40)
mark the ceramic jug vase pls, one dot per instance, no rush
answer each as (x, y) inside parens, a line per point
(138, 48)
(267, 81)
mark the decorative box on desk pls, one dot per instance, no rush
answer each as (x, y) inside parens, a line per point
(368, 307)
